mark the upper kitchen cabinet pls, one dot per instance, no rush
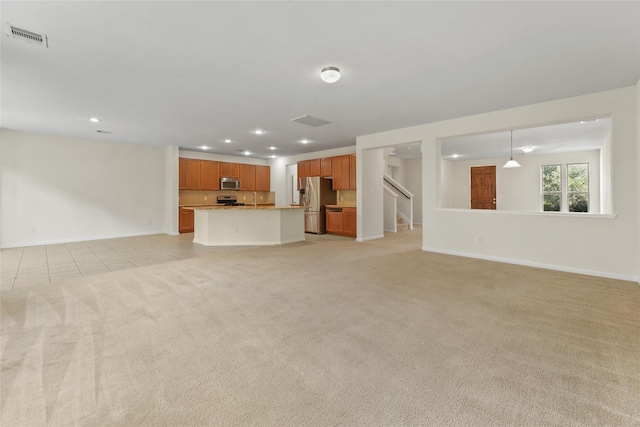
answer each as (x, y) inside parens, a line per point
(340, 172)
(182, 173)
(193, 174)
(303, 171)
(247, 177)
(352, 172)
(229, 170)
(263, 178)
(325, 166)
(314, 167)
(209, 175)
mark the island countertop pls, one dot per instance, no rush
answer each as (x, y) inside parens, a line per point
(244, 208)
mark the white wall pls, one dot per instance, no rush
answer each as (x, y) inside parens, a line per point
(413, 183)
(605, 245)
(369, 171)
(172, 193)
(518, 189)
(57, 189)
(203, 155)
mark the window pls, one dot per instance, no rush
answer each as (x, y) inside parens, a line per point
(578, 187)
(551, 188)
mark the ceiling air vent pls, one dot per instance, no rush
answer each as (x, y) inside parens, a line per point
(310, 121)
(26, 35)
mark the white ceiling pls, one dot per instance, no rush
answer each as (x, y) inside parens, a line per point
(196, 73)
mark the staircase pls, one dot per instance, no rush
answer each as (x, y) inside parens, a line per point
(401, 225)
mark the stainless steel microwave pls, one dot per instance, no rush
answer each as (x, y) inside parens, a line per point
(229, 184)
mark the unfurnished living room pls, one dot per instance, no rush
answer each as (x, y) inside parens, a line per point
(320, 213)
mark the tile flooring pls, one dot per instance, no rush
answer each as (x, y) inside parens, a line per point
(41, 265)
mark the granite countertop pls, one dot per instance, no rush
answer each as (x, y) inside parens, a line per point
(340, 206)
(246, 207)
(199, 205)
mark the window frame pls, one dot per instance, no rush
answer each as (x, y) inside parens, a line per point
(543, 193)
(570, 193)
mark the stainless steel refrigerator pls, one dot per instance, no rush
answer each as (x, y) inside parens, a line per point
(315, 193)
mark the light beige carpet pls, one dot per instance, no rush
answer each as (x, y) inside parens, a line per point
(328, 332)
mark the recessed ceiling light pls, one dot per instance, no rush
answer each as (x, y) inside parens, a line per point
(304, 141)
(227, 141)
(246, 153)
(330, 74)
(455, 156)
(258, 132)
(94, 119)
(273, 156)
(272, 148)
(204, 147)
(527, 149)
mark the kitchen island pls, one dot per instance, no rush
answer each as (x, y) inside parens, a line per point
(247, 225)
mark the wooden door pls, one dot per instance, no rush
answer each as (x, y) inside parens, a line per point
(263, 178)
(483, 187)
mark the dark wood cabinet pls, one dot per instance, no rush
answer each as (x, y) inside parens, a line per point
(263, 178)
(247, 177)
(185, 221)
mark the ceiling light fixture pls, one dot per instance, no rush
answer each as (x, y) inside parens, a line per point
(455, 156)
(527, 149)
(246, 153)
(272, 148)
(304, 141)
(204, 147)
(227, 141)
(258, 132)
(330, 74)
(511, 163)
(273, 156)
(94, 119)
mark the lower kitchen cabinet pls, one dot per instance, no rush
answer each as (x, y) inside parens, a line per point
(341, 221)
(185, 221)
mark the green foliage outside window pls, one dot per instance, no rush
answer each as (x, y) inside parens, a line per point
(578, 183)
(551, 188)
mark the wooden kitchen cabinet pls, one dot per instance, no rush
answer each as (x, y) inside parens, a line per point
(185, 221)
(325, 166)
(229, 170)
(193, 174)
(247, 177)
(352, 172)
(303, 171)
(349, 222)
(263, 178)
(333, 222)
(340, 172)
(209, 175)
(314, 167)
(182, 173)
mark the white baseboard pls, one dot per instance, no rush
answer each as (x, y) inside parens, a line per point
(81, 239)
(565, 269)
(366, 239)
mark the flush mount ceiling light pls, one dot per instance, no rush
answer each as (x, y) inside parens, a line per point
(330, 74)
(94, 119)
(527, 149)
(511, 163)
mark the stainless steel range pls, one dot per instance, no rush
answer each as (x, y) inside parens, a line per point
(228, 201)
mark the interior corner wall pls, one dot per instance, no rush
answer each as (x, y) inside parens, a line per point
(172, 193)
(58, 189)
(413, 183)
(599, 245)
(638, 179)
(370, 197)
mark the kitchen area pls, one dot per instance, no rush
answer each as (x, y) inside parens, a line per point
(326, 195)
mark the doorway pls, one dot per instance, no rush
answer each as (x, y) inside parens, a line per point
(483, 187)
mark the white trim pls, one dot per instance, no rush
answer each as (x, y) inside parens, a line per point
(366, 239)
(536, 264)
(498, 212)
(82, 239)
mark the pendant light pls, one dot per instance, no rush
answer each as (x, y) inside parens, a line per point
(511, 163)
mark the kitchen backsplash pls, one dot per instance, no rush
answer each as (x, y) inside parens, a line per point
(188, 197)
(347, 197)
